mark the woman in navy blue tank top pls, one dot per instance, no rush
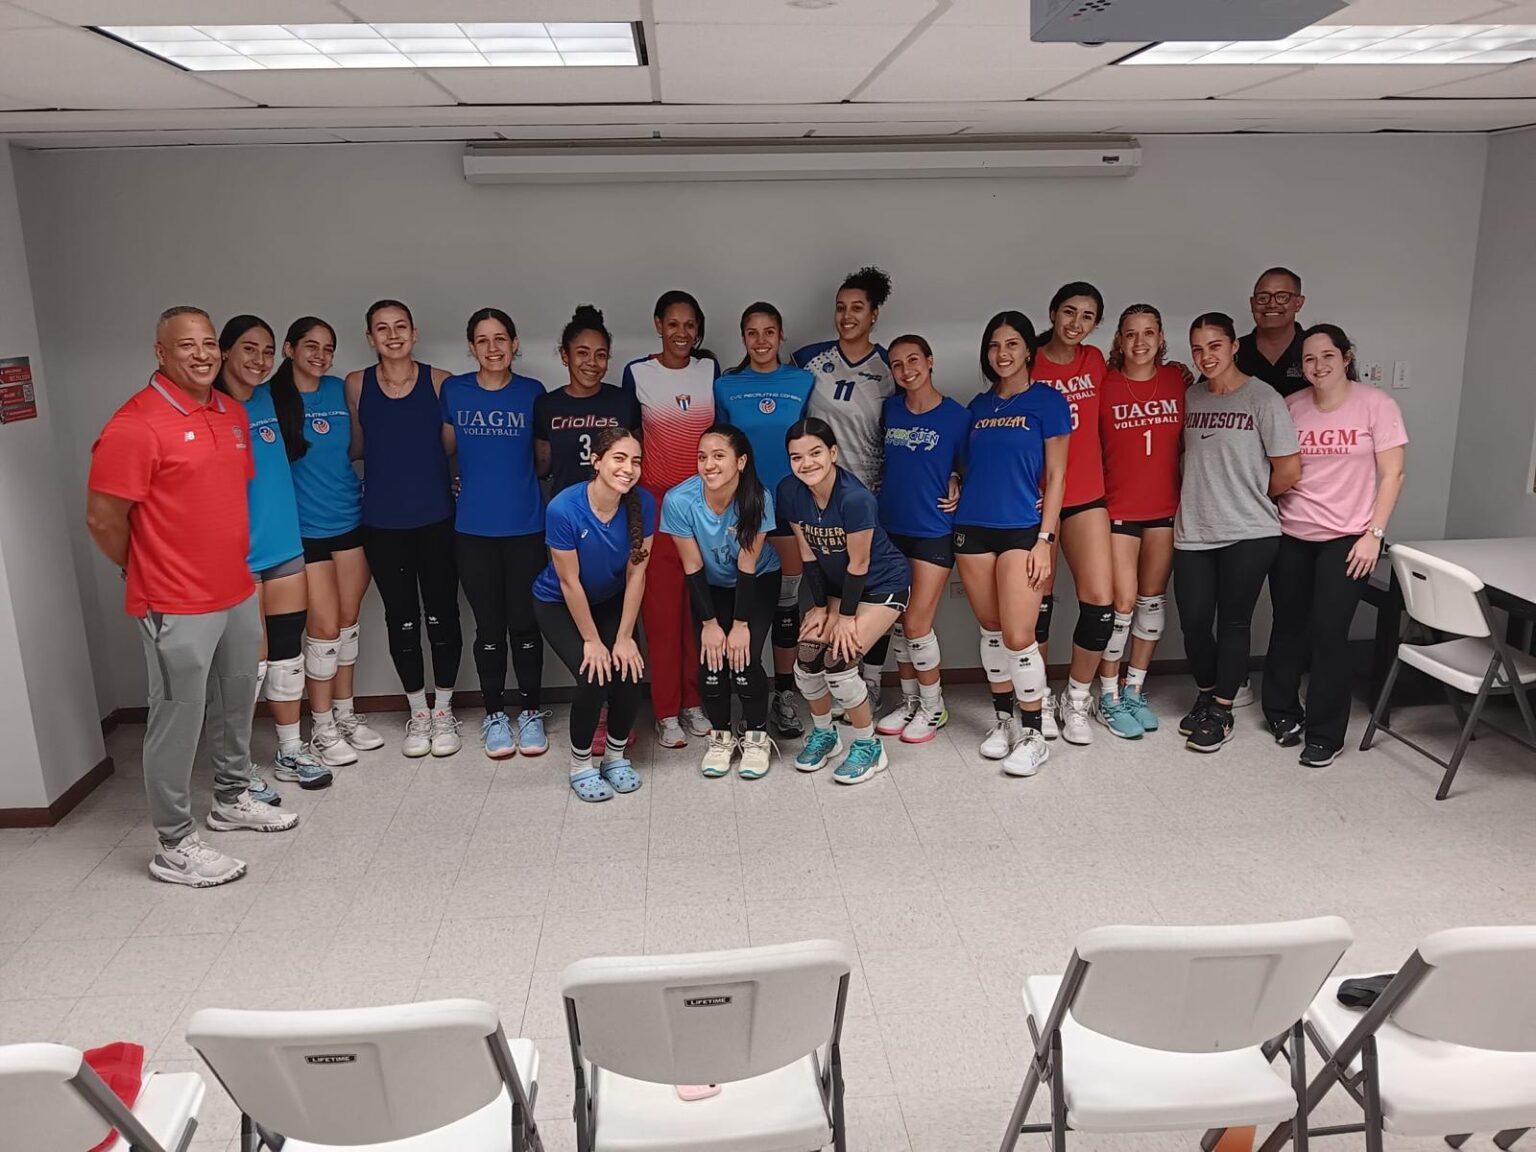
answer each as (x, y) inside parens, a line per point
(398, 430)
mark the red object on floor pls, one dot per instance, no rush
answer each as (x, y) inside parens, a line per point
(1236, 1140)
(121, 1066)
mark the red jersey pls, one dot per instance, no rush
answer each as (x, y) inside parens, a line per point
(1079, 382)
(677, 406)
(1142, 425)
(185, 466)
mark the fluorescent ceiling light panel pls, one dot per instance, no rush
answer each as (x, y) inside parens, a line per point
(209, 47)
(1327, 44)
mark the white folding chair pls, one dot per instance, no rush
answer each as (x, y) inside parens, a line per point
(439, 1076)
(1447, 1049)
(51, 1100)
(1448, 598)
(763, 1024)
(1156, 1029)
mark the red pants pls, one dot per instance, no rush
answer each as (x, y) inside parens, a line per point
(673, 650)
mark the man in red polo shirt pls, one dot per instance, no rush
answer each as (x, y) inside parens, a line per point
(167, 504)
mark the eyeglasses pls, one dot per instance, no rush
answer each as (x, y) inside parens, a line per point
(1280, 298)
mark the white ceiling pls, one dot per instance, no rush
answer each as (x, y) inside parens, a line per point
(722, 69)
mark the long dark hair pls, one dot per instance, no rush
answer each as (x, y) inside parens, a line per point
(749, 488)
(1079, 288)
(234, 328)
(1218, 320)
(285, 393)
(678, 296)
(1341, 341)
(1020, 324)
(811, 426)
(760, 308)
(630, 501)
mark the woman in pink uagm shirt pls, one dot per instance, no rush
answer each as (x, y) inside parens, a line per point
(1332, 521)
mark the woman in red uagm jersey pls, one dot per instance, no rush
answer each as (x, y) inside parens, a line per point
(1141, 424)
(1076, 370)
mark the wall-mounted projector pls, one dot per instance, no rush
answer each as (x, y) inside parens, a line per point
(1111, 21)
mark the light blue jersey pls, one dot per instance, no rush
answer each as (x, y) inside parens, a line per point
(685, 512)
(274, 516)
(329, 495)
(764, 405)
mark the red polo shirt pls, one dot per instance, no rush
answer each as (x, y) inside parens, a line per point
(185, 466)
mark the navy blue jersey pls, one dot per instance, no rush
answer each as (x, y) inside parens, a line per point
(921, 451)
(852, 508)
(1006, 460)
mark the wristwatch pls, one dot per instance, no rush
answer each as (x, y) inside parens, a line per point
(1048, 537)
(1379, 533)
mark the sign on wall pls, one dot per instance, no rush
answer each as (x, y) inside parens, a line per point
(18, 400)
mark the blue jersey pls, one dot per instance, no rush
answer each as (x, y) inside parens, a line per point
(602, 550)
(1006, 459)
(921, 452)
(850, 398)
(685, 512)
(274, 516)
(493, 431)
(852, 508)
(330, 498)
(764, 405)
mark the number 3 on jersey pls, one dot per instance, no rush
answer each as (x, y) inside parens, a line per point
(586, 447)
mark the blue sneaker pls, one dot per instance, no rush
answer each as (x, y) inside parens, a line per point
(820, 746)
(261, 790)
(532, 740)
(301, 768)
(1114, 714)
(496, 732)
(865, 758)
(1135, 702)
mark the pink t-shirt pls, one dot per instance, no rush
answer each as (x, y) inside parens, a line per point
(1337, 490)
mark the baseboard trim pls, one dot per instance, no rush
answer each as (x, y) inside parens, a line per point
(63, 806)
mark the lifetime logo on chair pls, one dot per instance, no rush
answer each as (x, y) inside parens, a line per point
(332, 1058)
(707, 1002)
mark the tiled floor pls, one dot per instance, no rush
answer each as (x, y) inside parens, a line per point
(414, 879)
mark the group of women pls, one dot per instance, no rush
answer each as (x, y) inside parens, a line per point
(818, 507)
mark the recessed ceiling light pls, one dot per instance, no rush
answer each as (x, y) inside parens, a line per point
(813, 5)
(211, 48)
(1326, 44)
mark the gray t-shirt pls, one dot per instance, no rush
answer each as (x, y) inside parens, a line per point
(1228, 440)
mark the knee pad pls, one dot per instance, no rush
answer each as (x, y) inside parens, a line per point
(320, 657)
(261, 677)
(847, 687)
(1115, 649)
(899, 645)
(285, 679)
(786, 626)
(1027, 671)
(285, 635)
(346, 650)
(878, 651)
(994, 658)
(1147, 623)
(1043, 621)
(811, 681)
(1095, 625)
(923, 652)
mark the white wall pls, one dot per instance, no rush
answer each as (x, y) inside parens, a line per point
(114, 236)
(1491, 486)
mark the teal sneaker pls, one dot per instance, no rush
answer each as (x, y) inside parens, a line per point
(531, 737)
(1135, 702)
(865, 759)
(261, 790)
(496, 734)
(820, 746)
(1112, 712)
(300, 767)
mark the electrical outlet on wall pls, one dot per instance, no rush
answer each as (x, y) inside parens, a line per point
(1371, 373)
(1400, 374)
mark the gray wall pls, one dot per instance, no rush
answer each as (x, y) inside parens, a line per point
(1384, 228)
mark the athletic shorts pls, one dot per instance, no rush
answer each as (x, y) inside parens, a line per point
(971, 540)
(1068, 513)
(318, 549)
(278, 571)
(896, 600)
(1137, 527)
(936, 550)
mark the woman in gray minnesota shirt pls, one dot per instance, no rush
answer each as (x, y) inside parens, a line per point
(1240, 452)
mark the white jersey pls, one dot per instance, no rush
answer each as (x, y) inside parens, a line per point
(851, 399)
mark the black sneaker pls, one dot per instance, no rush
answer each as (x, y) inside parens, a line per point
(1192, 717)
(1316, 755)
(1287, 732)
(1212, 729)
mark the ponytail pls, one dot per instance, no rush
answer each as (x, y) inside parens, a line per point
(751, 498)
(286, 400)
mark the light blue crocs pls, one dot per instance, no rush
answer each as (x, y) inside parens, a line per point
(621, 774)
(591, 787)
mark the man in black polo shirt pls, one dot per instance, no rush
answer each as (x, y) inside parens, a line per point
(1272, 351)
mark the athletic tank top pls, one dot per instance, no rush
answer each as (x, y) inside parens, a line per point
(406, 483)
(324, 482)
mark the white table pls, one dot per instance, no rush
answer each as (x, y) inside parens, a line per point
(1507, 565)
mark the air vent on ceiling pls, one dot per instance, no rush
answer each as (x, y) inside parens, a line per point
(1110, 21)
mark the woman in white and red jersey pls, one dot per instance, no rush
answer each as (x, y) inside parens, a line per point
(676, 390)
(1141, 425)
(1076, 370)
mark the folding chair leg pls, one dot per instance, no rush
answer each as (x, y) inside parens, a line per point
(1506, 1139)
(1299, 1085)
(1466, 733)
(1058, 1097)
(1453, 698)
(1021, 1107)
(250, 1140)
(1378, 716)
(1373, 1118)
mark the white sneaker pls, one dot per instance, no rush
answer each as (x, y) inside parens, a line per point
(1244, 696)
(1001, 739)
(1028, 754)
(1074, 717)
(925, 724)
(195, 864)
(418, 735)
(1048, 727)
(331, 748)
(669, 733)
(756, 755)
(246, 814)
(695, 721)
(720, 753)
(445, 733)
(355, 731)
(893, 722)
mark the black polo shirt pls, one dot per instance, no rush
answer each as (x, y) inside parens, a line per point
(1284, 376)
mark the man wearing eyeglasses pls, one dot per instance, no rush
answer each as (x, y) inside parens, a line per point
(1272, 351)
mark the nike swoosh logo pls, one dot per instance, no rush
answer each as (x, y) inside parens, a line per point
(1206, 435)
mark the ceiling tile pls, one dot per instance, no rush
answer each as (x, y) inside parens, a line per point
(13, 17)
(546, 85)
(873, 12)
(1517, 81)
(378, 87)
(983, 62)
(497, 11)
(72, 68)
(189, 11)
(1166, 82)
(767, 63)
(1004, 12)
(1412, 11)
(1360, 81)
(1518, 13)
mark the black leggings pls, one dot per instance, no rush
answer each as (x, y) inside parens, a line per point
(498, 573)
(405, 560)
(1315, 600)
(621, 696)
(750, 685)
(1216, 589)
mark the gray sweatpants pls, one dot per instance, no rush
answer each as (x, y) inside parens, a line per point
(202, 674)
